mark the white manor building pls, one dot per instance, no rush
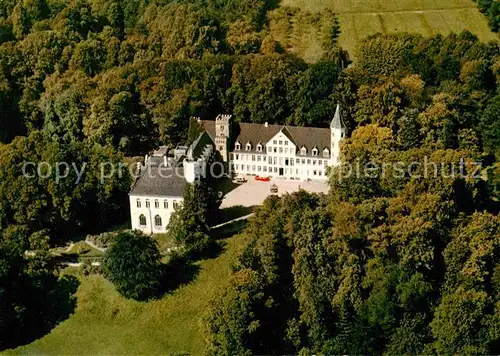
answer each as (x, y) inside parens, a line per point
(159, 186)
(289, 152)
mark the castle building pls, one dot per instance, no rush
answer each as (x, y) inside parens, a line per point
(289, 152)
(284, 151)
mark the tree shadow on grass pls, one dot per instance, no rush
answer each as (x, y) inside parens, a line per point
(234, 212)
(184, 269)
(179, 271)
(45, 307)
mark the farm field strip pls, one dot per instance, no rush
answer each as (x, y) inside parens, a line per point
(361, 18)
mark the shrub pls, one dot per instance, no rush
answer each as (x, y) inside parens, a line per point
(133, 265)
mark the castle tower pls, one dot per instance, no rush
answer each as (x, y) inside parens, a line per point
(338, 132)
(223, 135)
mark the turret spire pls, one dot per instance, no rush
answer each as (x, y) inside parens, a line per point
(337, 122)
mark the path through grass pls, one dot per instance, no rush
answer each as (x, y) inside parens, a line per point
(105, 323)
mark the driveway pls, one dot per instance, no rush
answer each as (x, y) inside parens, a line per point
(254, 192)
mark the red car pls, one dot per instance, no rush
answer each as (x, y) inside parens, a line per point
(263, 179)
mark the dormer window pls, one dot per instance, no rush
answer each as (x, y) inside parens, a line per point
(259, 148)
(326, 153)
(315, 152)
(238, 146)
(303, 151)
(249, 146)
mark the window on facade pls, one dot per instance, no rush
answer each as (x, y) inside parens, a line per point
(174, 204)
(157, 204)
(314, 162)
(303, 151)
(138, 203)
(275, 161)
(259, 148)
(237, 146)
(237, 156)
(265, 169)
(259, 158)
(249, 147)
(253, 158)
(303, 161)
(281, 142)
(165, 204)
(248, 168)
(275, 142)
(286, 150)
(157, 220)
(315, 152)
(308, 161)
(222, 128)
(253, 168)
(326, 153)
(147, 203)
(270, 160)
(286, 143)
(259, 168)
(275, 150)
(231, 157)
(142, 220)
(297, 161)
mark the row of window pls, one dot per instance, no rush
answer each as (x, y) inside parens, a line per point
(277, 160)
(265, 169)
(157, 203)
(143, 221)
(303, 150)
(248, 147)
(280, 142)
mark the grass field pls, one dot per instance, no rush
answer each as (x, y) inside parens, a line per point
(104, 323)
(360, 18)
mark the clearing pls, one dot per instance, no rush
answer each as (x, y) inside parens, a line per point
(303, 33)
(104, 323)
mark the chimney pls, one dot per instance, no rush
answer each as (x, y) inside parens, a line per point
(266, 124)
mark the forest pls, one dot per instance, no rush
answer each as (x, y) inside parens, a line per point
(381, 265)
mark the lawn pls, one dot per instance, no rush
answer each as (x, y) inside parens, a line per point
(104, 323)
(360, 18)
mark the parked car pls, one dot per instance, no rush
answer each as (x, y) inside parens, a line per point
(263, 179)
(274, 189)
(240, 180)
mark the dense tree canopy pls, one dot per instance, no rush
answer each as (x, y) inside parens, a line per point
(133, 265)
(389, 262)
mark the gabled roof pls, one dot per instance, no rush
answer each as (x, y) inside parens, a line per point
(301, 136)
(337, 122)
(158, 181)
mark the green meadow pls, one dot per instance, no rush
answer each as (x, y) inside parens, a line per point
(105, 323)
(361, 18)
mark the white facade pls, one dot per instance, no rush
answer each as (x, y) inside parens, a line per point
(194, 169)
(281, 159)
(151, 214)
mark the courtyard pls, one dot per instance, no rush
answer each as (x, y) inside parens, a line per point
(254, 192)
